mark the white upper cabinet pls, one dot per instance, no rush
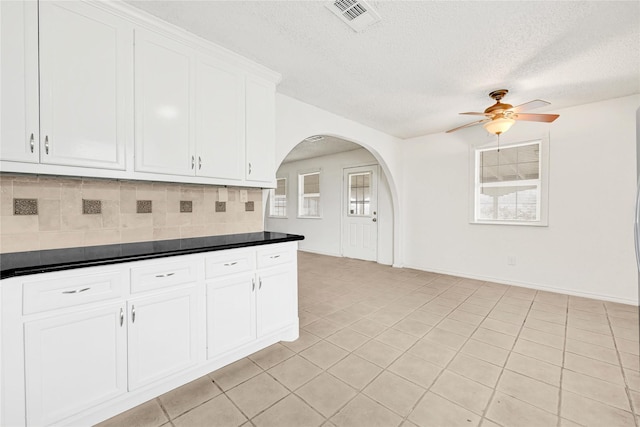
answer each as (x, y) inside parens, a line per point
(164, 105)
(260, 130)
(19, 81)
(85, 73)
(99, 89)
(82, 70)
(219, 120)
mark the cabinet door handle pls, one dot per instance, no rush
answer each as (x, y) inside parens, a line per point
(31, 142)
(249, 168)
(193, 162)
(133, 314)
(229, 264)
(46, 144)
(76, 291)
(253, 285)
(165, 275)
(260, 283)
(121, 316)
(274, 256)
(199, 162)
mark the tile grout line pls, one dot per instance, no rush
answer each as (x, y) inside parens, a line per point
(456, 353)
(384, 369)
(504, 366)
(624, 376)
(564, 355)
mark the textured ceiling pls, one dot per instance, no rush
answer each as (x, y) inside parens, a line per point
(426, 61)
(326, 146)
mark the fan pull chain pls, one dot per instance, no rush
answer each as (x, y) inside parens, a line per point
(498, 142)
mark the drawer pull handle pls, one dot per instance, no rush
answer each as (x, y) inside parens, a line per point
(253, 285)
(76, 291)
(121, 316)
(274, 256)
(165, 275)
(31, 142)
(229, 264)
(133, 314)
(260, 283)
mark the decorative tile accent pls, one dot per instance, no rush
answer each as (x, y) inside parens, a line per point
(186, 206)
(248, 207)
(25, 206)
(91, 207)
(221, 206)
(143, 206)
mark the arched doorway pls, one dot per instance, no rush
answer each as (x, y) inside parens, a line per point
(336, 193)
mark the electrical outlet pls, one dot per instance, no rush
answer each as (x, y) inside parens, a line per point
(511, 260)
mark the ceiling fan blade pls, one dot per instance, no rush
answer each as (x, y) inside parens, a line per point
(538, 103)
(473, 113)
(468, 125)
(547, 118)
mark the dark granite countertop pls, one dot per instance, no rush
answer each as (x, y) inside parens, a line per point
(33, 262)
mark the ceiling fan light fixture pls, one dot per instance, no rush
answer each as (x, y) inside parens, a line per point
(499, 125)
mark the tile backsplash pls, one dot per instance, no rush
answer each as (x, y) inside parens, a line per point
(85, 212)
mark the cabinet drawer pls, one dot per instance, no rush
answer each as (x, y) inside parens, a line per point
(275, 256)
(68, 290)
(230, 262)
(162, 275)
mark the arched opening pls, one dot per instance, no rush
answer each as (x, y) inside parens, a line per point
(339, 194)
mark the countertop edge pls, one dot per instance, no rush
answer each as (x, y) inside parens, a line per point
(37, 269)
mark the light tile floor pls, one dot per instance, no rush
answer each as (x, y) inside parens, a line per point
(381, 346)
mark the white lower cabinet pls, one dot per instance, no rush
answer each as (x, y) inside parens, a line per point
(163, 332)
(74, 362)
(231, 313)
(277, 299)
(248, 306)
(81, 345)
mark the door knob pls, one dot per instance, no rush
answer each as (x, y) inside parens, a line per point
(374, 220)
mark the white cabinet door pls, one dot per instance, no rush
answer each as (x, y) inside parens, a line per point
(163, 335)
(85, 85)
(164, 75)
(219, 120)
(74, 362)
(19, 138)
(276, 299)
(231, 307)
(260, 130)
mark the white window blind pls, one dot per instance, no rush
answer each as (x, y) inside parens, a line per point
(309, 195)
(508, 185)
(278, 199)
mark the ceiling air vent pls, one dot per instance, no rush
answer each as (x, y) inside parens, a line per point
(358, 14)
(314, 138)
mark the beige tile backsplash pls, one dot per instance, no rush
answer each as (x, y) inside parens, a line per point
(60, 222)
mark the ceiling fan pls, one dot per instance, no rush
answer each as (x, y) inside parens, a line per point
(500, 117)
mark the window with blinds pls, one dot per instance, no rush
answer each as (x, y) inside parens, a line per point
(508, 183)
(309, 195)
(278, 199)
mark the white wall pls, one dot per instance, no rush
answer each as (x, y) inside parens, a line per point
(323, 235)
(588, 247)
(296, 121)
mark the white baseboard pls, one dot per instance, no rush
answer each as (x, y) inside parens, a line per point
(313, 251)
(537, 286)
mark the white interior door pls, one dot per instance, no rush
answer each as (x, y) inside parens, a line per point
(360, 213)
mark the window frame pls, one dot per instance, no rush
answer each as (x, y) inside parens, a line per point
(543, 183)
(272, 198)
(301, 194)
